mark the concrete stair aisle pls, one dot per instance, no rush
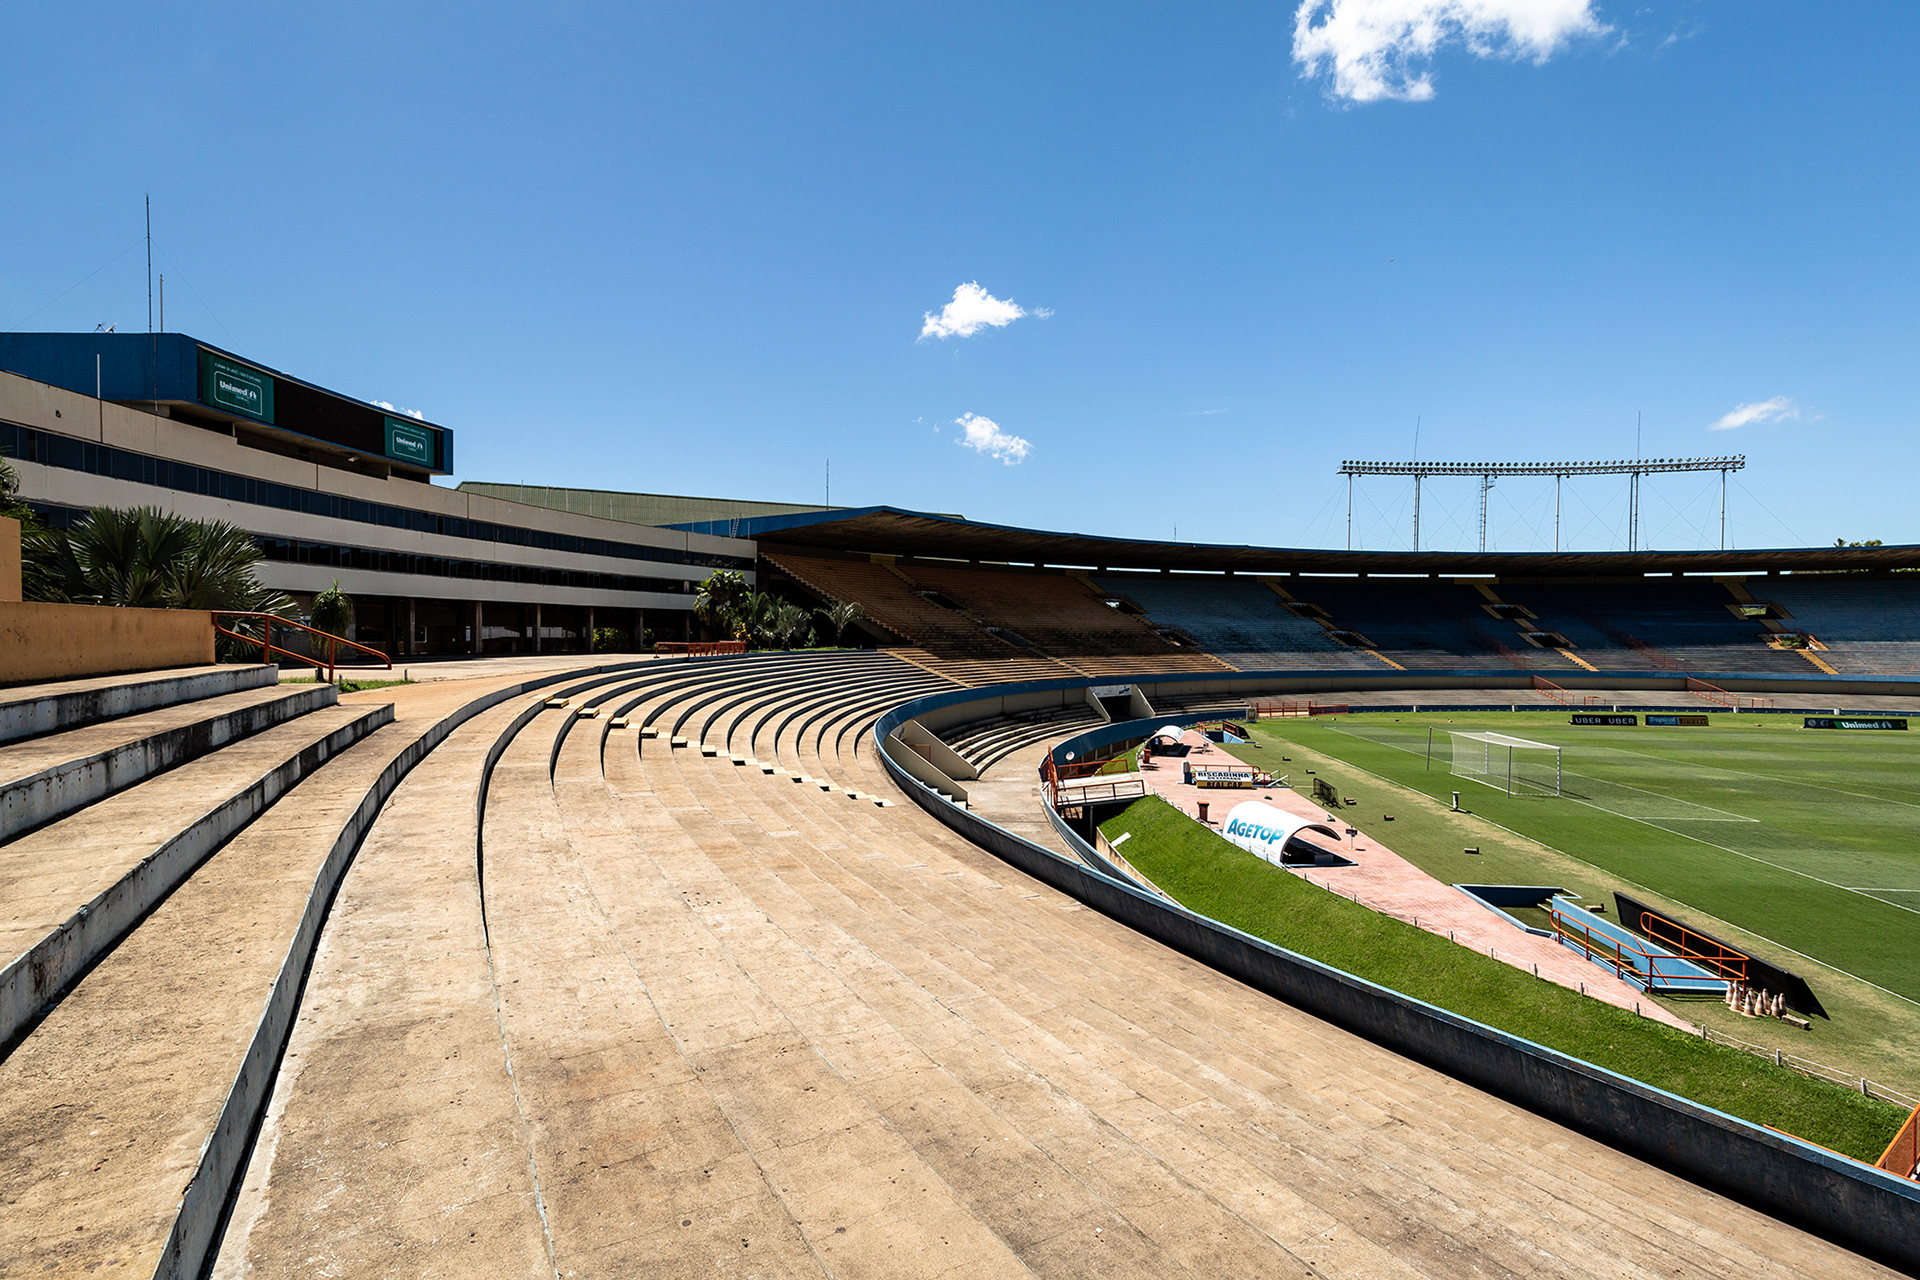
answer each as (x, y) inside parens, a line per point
(394, 1143)
(48, 777)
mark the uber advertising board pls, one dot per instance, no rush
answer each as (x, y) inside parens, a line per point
(1591, 718)
(1684, 722)
(1853, 722)
(410, 442)
(230, 385)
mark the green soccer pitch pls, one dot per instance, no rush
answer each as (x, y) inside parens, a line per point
(1809, 838)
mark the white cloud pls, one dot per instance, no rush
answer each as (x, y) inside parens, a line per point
(1778, 409)
(1374, 48)
(972, 310)
(985, 435)
(411, 413)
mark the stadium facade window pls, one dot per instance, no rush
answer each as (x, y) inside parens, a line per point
(335, 556)
(70, 454)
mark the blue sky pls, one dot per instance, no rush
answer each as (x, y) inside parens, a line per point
(693, 248)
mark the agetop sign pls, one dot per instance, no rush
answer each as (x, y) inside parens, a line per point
(1853, 722)
(1264, 831)
(226, 384)
(410, 442)
(1684, 722)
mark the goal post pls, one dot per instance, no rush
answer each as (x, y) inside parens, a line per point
(1517, 766)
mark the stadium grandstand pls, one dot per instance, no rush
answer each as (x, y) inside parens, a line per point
(803, 963)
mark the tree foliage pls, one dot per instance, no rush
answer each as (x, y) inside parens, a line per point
(841, 615)
(146, 558)
(720, 600)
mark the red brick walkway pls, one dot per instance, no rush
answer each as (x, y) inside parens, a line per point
(1385, 881)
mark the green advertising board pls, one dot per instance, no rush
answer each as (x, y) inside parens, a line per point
(410, 442)
(237, 388)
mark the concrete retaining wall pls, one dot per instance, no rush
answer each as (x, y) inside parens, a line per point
(1853, 1204)
(69, 641)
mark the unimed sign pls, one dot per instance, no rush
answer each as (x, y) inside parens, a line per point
(409, 442)
(1853, 722)
(226, 384)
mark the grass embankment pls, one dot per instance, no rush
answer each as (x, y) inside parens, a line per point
(1871, 1032)
(1207, 874)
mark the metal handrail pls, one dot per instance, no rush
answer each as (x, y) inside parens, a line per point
(268, 648)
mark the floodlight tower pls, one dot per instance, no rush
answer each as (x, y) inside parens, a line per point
(1488, 474)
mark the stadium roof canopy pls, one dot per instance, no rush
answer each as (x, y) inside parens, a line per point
(891, 531)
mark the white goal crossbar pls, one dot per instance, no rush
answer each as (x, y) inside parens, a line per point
(1517, 766)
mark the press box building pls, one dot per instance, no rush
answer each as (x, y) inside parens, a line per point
(332, 488)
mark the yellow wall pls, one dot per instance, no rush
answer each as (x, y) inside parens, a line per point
(9, 559)
(69, 641)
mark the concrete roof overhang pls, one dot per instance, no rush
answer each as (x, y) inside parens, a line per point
(892, 531)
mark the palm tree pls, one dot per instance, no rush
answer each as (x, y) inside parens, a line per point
(759, 620)
(146, 558)
(793, 626)
(841, 615)
(332, 613)
(720, 598)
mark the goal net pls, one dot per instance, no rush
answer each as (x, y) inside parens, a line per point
(1513, 765)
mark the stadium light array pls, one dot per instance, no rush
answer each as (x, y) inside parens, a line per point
(1633, 468)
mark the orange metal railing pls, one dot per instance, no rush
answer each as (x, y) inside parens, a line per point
(268, 621)
(1689, 945)
(1563, 696)
(1714, 693)
(1902, 1156)
(1287, 710)
(701, 648)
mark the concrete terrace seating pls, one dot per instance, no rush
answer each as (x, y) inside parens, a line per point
(656, 1012)
(983, 743)
(1062, 616)
(1653, 624)
(1239, 619)
(1004, 625)
(1420, 623)
(1871, 626)
(143, 929)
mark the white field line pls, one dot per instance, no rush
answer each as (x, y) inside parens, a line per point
(1521, 835)
(1748, 773)
(1684, 835)
(1593, 804)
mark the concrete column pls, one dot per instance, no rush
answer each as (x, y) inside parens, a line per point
(478, 643)
(536, 628)
(587, 645)
(412, 633)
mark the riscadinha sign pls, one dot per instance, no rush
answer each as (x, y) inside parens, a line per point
(237, 388)
(409, 442)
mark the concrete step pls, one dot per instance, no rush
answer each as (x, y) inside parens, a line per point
(71, 890)
(128, 1086)
(27, 711)
(49, 777)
